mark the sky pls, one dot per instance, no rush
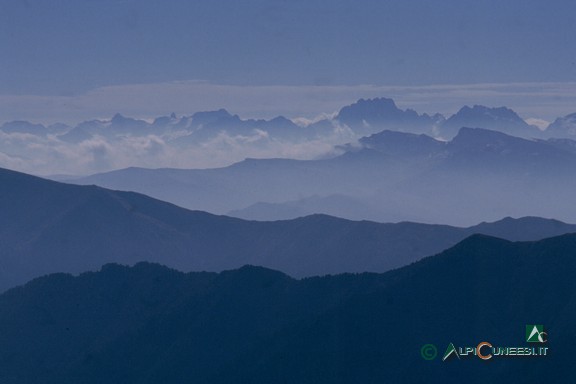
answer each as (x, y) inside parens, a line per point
(71, 60)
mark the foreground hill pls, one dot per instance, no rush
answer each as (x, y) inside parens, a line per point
(48, 227)
(150, 324)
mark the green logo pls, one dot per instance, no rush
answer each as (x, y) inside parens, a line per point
(449, 351)
(428, 352)
(535, 333)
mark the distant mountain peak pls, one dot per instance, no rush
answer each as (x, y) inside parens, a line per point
(493, 111)
(563, 126)
(118, 118)
(214, 118)
(373, 115)
(220, 113)
(379, 102)
(378, 107)
(501, 119)
(487, 114)
(281, 119)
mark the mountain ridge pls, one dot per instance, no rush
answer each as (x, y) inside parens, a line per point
(53, 227)
(380, 113)
(390, 176)
(216, 138)
(257, 325)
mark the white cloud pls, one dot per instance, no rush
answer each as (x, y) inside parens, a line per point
(540, 123)
(304, 121)
(48, 155)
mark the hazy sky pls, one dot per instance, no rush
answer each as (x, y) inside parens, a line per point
(58, 56)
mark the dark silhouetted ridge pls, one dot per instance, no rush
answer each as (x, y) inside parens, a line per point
(148, 323)
(48, 227)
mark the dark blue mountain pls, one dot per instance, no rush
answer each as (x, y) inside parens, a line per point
(150, 324)
(48, 227)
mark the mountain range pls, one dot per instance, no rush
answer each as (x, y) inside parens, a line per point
(365, 117)
(390, 176)
(151, 324)
(374, 115)
(49, 227)
(218, 138)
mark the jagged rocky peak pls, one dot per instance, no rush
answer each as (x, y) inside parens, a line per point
(368, 116)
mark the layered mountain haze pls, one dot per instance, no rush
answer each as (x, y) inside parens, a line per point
(389, 176)
(49, 227)
(155, 325)
(291, 192)
(203, 139)
(209, 139)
